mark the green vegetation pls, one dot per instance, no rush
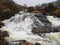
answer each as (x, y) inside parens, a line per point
(8, 8)
(46, 9)
(30, 9)
(57, 12)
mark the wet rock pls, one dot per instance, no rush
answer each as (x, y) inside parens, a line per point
(37, 44)
(3, 34)
(20, 42)
(44, 29)
(37, 30)
(27, 43)
(43, 19)
(4, 42)
(1, 24)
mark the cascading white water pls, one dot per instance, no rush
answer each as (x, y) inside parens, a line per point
(54, 21)
(20, 26)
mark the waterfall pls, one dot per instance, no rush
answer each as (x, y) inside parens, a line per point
(20, 26)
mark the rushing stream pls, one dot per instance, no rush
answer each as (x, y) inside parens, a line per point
(20, 26)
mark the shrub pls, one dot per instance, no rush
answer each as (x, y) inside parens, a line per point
(57, 12)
